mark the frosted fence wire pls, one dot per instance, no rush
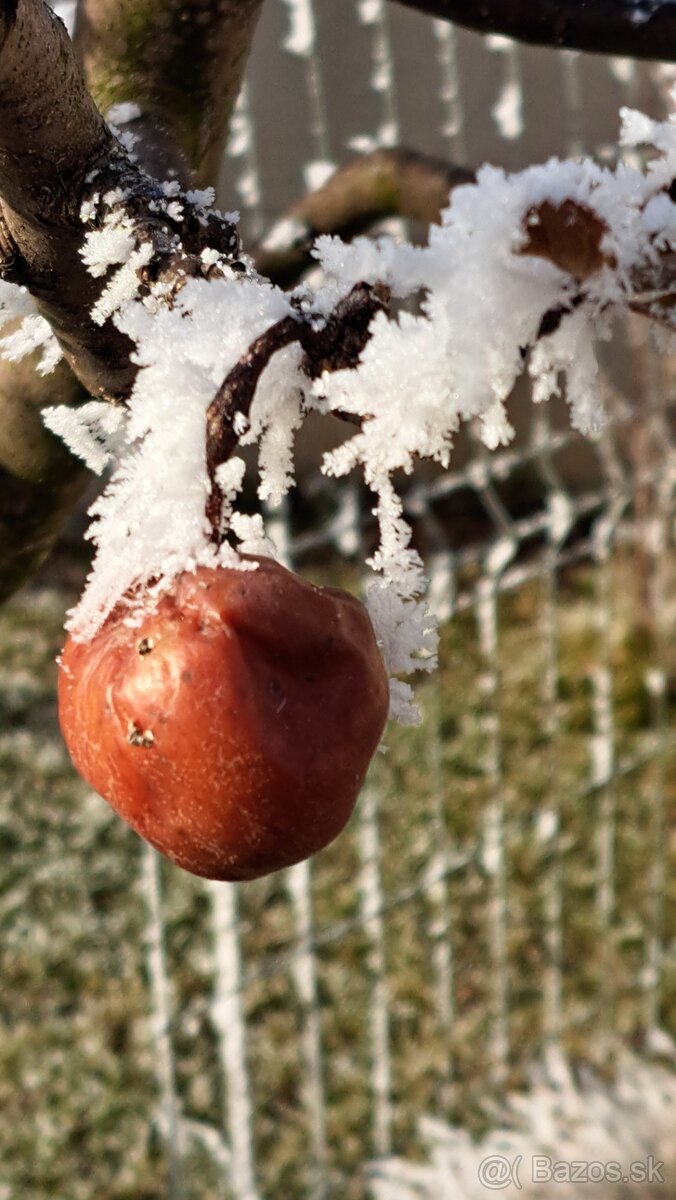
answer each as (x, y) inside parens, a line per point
(397, 976)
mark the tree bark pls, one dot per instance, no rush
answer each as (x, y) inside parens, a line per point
(53, 141)
(51, 138)
(181, 61)
(635, 28)
(56, 152)
(39, 480)
(51, 131)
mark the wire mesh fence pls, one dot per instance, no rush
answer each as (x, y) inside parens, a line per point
(506, 886)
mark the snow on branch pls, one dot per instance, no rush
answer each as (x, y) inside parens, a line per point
(524, 272)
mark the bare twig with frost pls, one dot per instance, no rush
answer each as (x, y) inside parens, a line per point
(524, 272)
(328, 344)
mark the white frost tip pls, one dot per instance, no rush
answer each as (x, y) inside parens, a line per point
(123, 286)
(32, 332)
(92, 431)
(204, 198)
(123, 113)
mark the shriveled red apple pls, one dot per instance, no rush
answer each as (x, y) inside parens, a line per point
(233, 728)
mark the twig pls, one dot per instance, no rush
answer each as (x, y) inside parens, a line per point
(385, 183)
(568, 234)
(235, 397)
(329, 345)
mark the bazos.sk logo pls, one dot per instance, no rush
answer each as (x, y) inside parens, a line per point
(497, 1172)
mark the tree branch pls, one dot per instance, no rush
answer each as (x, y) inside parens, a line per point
(635, 28)
(51, 137)
(181, 61)
(56, 153)
(382, 184)
(50, 129)
(567, 233)
(39, 480)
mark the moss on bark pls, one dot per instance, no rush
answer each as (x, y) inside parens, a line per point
(182, 63)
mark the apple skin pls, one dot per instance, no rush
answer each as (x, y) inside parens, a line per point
(233, 727)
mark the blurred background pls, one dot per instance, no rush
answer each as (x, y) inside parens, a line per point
(492, 943)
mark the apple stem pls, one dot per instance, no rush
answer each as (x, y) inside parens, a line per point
(329, 344)
(234, 396)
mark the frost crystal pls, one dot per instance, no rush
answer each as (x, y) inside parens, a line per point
(31, 332)
(150, 522)
(94, 431)
(483, 292)
(113, 244)
(123, 113)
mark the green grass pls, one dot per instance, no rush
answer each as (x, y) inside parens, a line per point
(77, 1082)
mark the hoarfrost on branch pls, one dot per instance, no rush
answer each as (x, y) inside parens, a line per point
(483, 291)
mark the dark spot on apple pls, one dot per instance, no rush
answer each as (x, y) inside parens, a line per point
(186, 676)
(140, 737)
(145, 646)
